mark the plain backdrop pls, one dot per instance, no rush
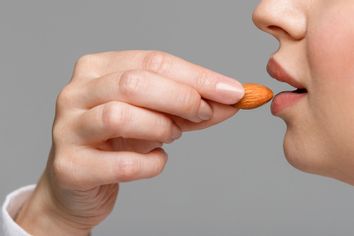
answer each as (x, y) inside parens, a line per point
(231, 179)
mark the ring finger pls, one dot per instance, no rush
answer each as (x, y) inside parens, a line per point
(119, 119)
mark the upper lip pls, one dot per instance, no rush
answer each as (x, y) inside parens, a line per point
(276, 71)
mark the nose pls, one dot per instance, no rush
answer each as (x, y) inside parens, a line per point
(281, 18)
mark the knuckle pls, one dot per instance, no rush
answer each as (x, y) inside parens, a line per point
(58, 132)
(85, 61)
(115, 114)
(157, 61)
(65, 97)
(64, 170)
(87, 65)
(128, 168)
(131, 82)
(189, 100)
(61, 166)
(203, 80)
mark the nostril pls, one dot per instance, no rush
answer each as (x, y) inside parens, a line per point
(274, 28)
(277, 31)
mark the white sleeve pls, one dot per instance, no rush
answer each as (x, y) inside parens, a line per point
(11, 206)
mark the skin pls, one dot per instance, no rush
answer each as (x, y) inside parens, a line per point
(316, 48)
(110, 127)
(100, 137)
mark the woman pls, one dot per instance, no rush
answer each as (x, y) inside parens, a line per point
(118, 94)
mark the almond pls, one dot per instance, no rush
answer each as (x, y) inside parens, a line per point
(255, 95)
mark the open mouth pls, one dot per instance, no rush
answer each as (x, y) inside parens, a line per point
(300, 91)
(285, 99)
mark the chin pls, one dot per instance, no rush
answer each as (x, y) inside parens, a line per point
(302, 153)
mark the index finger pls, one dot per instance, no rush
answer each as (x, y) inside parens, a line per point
(210, 84)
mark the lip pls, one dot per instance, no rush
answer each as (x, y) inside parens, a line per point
(276, 71)
(284, 100)
(287, 98)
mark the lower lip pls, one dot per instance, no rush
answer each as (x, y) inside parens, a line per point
(284, 100)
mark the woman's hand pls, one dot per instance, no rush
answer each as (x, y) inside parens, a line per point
(111, 122)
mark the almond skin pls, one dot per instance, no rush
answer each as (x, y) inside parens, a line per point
(255, 96)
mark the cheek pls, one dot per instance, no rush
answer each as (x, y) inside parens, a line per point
(330, 48)
(331, 45)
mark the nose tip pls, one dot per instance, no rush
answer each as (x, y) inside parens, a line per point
(281, 18)
(258, 18)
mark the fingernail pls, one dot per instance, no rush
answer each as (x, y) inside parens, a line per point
(230, 90)
(205, 112)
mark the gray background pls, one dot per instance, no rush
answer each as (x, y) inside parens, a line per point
(231, 179)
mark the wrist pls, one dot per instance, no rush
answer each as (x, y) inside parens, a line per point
(40, 215)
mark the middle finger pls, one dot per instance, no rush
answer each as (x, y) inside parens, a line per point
(149, 90)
